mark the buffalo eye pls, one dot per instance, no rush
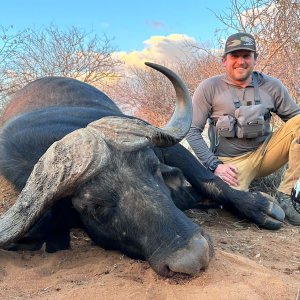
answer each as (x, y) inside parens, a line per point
(97, 202)
(103, 213)
(103, 204)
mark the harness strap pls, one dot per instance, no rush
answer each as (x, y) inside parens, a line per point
(256, 91)
(235, 98)
(257, 100)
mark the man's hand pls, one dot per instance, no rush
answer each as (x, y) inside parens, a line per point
(227, 173)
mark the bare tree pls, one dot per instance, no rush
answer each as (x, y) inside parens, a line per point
(146, 94)
(204, 63)
(9, 46)
(275, 25)
(52, 52)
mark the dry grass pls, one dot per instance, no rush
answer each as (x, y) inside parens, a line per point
(268, 184)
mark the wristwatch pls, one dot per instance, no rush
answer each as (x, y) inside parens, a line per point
(212, 167)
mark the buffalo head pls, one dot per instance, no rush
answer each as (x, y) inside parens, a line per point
(113, 177)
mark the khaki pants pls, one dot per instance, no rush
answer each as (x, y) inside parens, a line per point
(283, 147)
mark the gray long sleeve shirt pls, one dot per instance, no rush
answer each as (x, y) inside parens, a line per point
(214, 98)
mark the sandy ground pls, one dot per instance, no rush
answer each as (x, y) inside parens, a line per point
(250, 263)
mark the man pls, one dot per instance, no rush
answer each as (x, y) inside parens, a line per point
(238, 105)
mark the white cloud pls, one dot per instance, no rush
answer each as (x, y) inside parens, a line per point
(159, 49)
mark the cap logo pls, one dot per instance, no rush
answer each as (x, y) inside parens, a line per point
(234, 43)
(247, 40)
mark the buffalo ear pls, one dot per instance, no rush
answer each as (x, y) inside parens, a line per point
(172, 176)
(66, 164)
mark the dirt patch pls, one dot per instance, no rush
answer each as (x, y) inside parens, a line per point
(250, 263)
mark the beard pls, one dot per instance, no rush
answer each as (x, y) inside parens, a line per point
(242, 75)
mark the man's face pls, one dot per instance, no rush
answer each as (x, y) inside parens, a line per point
(239, 66)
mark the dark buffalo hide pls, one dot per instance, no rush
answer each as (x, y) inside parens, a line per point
(78, 161)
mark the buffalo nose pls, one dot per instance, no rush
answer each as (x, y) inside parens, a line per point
(192, 258)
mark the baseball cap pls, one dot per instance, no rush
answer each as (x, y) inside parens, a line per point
(240, 41)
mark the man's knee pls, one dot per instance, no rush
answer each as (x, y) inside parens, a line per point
(292, 127)
(294, 121)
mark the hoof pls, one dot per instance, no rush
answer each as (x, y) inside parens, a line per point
(275, 217)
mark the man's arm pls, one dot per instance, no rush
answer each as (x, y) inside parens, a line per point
(200, 147)
(202, 107)
(285, 106)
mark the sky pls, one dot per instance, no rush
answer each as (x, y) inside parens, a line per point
(136, 28)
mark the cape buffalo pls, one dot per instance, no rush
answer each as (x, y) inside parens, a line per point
(77, 160)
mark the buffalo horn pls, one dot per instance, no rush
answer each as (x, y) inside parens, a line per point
(180, 122)
(127, 133)
(67, 163)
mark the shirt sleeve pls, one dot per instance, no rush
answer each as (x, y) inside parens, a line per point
(202, 100)
(285, 106)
